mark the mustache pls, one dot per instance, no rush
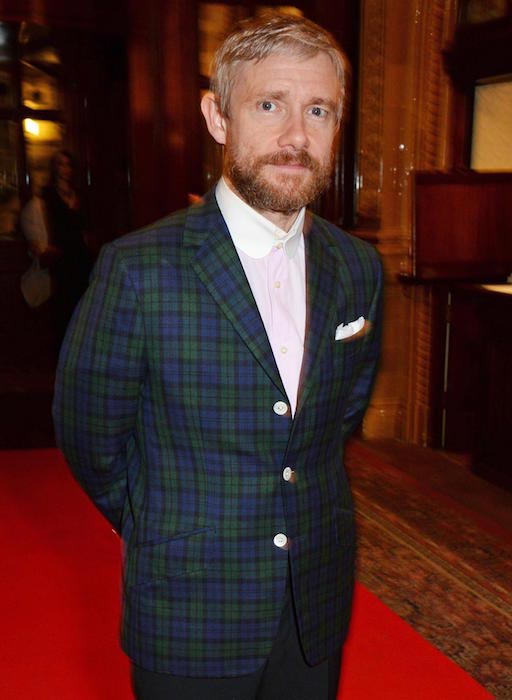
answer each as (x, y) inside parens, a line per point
(287, 158)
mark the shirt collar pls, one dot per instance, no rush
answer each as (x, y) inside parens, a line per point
(251, 232)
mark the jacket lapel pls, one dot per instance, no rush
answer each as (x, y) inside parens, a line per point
(216, 262)
(325, 301)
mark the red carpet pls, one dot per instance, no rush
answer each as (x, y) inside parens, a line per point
(59, 591)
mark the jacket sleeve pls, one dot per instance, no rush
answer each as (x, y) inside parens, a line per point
(366, 370)
(98, 384)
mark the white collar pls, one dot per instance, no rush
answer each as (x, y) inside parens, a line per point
(251, 232)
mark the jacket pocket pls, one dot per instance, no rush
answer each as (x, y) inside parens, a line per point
(178, 555)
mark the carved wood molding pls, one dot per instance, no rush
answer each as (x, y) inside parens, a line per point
(418, 400)
(436, 26)
(371, 102)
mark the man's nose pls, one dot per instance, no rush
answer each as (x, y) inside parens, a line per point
(294, 133)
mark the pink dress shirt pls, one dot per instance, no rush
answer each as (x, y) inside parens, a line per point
(274, 264)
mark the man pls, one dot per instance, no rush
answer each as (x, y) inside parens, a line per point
(218, 362)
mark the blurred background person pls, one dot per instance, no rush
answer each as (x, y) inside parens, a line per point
(9, 213)
(13, 263)
(70, 262)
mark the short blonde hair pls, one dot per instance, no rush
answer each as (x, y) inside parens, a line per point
(255, 39)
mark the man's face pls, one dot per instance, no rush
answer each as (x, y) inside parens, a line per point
(280, 132)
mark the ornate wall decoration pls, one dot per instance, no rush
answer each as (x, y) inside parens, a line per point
(436, 24)
(371, 101)
(435, 29)
(404, 126)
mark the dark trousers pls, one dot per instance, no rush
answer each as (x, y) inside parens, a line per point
(284, 675)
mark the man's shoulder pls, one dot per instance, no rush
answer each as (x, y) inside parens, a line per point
(164, 231)
(169, 231)
(342, 242)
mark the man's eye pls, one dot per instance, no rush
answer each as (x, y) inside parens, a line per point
(318, 111)
(268, 106)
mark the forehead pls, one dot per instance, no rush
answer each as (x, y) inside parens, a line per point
(313, 76)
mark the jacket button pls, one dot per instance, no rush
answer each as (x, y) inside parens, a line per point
(288, 474)
(280, 407)
(280, 540)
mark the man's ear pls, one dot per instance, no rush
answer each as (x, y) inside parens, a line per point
(215, 122)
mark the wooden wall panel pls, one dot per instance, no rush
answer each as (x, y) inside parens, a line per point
(164, 106)
(98, 15)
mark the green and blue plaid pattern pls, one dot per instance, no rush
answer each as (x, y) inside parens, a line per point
(164, 410)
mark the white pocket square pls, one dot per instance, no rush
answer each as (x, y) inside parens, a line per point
(346, 330)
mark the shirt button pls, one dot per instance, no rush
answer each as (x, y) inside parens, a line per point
(288, 474)
(280, 407)
(277, 284)
(284, 350)
(280, 540)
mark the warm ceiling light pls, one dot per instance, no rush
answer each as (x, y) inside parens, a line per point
(31, 127)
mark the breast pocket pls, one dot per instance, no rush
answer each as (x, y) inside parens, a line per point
(347, 356)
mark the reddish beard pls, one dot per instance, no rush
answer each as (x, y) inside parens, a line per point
(290, 192)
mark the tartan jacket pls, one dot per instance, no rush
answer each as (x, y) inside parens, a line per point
(165, 411)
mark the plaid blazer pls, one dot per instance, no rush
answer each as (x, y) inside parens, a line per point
(165, 410)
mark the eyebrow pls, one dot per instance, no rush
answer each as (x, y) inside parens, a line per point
(276, 95)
